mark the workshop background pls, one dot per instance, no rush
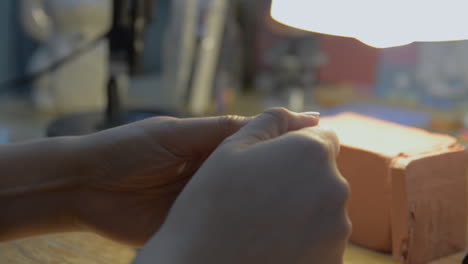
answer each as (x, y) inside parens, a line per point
(72, 67)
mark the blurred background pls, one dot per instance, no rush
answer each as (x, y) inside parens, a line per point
(70, 67)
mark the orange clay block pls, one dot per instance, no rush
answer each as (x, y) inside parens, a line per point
(408, 187)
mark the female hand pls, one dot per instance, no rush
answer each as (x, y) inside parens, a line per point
(271, 193)
(142, 169)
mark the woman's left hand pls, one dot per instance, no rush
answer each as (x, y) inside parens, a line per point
(142, 169)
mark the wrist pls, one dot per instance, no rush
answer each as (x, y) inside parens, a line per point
(39, 194)
(90, 165)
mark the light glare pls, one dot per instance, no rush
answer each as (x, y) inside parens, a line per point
(380, 24)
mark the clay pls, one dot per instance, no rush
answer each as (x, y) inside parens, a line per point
(408, 187)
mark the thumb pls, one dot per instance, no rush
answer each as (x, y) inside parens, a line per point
(271, 124)
(197, 136)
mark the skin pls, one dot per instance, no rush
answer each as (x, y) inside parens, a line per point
(119, 183)
(270, 193)
(243, 187)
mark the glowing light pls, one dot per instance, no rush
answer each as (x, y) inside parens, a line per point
(381, 24)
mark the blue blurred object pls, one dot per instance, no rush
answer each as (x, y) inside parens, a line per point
(396, 80)
(403, 116)
(154, 37)
(15, 46)
(3, 135)
(7, 45)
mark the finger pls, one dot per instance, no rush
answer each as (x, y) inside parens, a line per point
(200, 135)
(271, 124)
(325, 136)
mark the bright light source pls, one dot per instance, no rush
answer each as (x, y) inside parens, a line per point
(381, 24)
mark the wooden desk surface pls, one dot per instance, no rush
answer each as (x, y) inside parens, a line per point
(78, 248)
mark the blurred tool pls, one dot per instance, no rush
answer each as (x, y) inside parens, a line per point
(202, 62)
(179, 48)
(126, 44)
(203, 54)
(207, 57)
(62, 28)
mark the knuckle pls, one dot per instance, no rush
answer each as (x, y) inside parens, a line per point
(342, 192)
(166, 122)
(162, 119)
(338, 191)
(158, 123)
(343, 228)
(348, 227)
(338, 227)
(313, 147)
(277, 116)
(320, 149)
(278, 111)
(329, 136)
(229, 123)
(280, 114)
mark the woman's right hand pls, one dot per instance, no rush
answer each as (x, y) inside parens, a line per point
(271, 193)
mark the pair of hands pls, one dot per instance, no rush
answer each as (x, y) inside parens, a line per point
(246, 190)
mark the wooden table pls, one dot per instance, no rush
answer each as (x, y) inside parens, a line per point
(79, 248)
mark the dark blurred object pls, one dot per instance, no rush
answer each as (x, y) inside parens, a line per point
(248, 21)
(131, 17)
(16, 48)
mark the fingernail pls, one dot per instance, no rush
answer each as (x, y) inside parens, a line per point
(315, 114)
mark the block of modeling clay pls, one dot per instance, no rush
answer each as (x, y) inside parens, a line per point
(408, 187)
